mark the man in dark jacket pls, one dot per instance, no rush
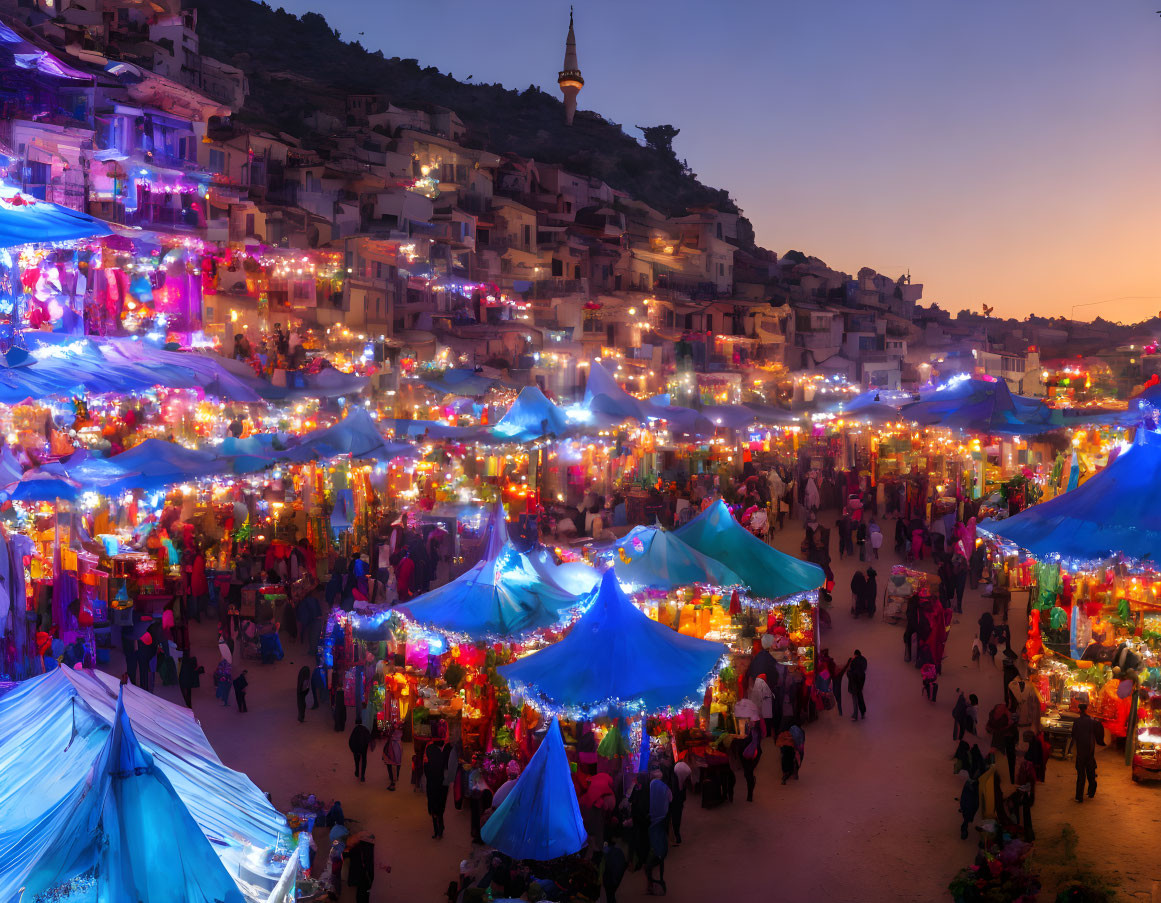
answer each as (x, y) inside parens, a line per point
(1085, 732)
(359, 742)
(856, 680)
(187, 678)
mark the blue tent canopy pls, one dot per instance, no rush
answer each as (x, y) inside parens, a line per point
(25, 220)
(1114, 512)
(604, 396)
(532, 416)
(65, 751)
(38, 486)
(435, 429)
(729, 416)
(356, 435)
(155, 463)
(540, 817)
(458, 381)
(658, 558)
(983, 405)
(507, 593)
(615, 656)
(765, 571)
(121, 830)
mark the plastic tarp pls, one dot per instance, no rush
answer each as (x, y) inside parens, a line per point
(532, 416)
(604, 396)
(435, 429)
(356, 435)
(25, 220)
(458, 381)
(155, 463)
(506, 594)
(55, 735)
(657, 558)
(615, 656)
(119, 833)
(540, 817)
(1116, 511)
(27, 55)
(768, 413)
(982, 405)
(766, 572)
(729, 416)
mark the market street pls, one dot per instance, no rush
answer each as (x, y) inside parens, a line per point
(875, 807)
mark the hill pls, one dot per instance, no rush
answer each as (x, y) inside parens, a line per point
(298, 64)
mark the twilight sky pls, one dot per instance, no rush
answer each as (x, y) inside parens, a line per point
(1005, 152)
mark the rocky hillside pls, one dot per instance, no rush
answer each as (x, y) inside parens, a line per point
(298, 64)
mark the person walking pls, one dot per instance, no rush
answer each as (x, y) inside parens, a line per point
(393, 752)
(660, 797)
(302, 691)
(858, 592)
(845, 525)
(763, 698)
(749, 750)
(614, 864)
(680, 782)
(240, 684)
(318, 685)
(435, 759)
(871, 592)
(358, 743)
(188, 678)
(856, 682)
(223, 681)
(1004, 730)
(1085, 732)
(969, 802)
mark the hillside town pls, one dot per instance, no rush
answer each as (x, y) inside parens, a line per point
(546, 494)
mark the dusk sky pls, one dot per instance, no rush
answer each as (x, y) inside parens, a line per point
(1005, 152)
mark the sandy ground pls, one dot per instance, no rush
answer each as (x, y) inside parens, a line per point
(873, 817)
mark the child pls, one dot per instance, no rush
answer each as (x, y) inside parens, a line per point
(930, 683)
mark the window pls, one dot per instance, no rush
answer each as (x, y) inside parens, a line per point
(721, 269)
(527, 236)
(378, 275)
(461, 173)
(709, 322)
(249, 223)
(218, 161)
(557, 267)
(689, 321)
(719, 230)
(592, 322)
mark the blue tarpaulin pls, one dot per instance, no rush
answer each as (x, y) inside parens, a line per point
(25, 220)
(657, 558)
(356, 435)
(615, 656)
(507, 593)
(983, 405)
(540, 817)
(158, 811)
(457, 381)
(765, 571)
(1114, 512)
(532, 416)
(119, 834)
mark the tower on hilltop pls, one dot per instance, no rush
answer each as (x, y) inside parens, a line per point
(570, 80)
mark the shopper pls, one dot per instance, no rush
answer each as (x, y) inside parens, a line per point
(763, 698)
(749, 749)
(188, 678)
(858, 592)
(302, 691)
(680, 782)
(358, 743)
(393, 752)
(871, 592)
(660, 798)
(969, 802)
(223, 681)
(614, 864)
(856, 682)
(318, 685)
(1004, 730)
(435, 759)
(240, 684)
(1085, 732)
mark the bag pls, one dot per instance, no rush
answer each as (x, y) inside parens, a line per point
(751, 750)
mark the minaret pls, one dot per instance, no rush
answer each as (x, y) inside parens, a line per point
(570, 80)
